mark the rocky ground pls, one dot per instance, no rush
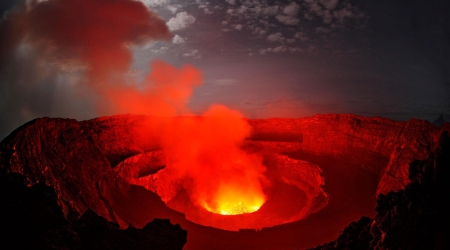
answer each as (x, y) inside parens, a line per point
(32, 219)
(416, 217)
(55, 172)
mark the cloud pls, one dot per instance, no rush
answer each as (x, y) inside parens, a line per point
(302, 36)
(205, 6)
(288, 20)
(259, 31)
(276, 37)
(329, 4)
(181, 21)
(238, 27)
(332, 12)
(53, 64)
(291, 9)
(193, 53)
(232, 2)
(279, 49)
(153, 3)
(172, 8)
(271, 10)
(178, 39)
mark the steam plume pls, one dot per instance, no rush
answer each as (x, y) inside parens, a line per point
(83, 46)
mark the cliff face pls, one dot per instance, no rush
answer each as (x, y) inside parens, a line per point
(32, 219)
(379, 145)
(65, 155)
(55, 152)
(76, 158)
(412, 218)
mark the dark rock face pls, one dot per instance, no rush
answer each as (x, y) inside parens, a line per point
(31, 219)
(413, 218)
(379, 145)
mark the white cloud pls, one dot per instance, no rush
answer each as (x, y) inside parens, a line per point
(263, 51)
(275, 37)
(161, 50)
(271, 10)
(194, 53)
(232, 2)
(302, 36)
(242, 9)
(288, 20)
(259, 31)
(172, 8)
(180, 21)
(178, 39)
(329, 4)
(153, 3)
(279, 49)
(238, 27)
(291, 9)
(204, 6)
(224, 22)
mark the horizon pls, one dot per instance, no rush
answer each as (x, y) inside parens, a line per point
(286, 59)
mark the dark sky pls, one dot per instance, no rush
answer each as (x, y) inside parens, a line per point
(388, 58)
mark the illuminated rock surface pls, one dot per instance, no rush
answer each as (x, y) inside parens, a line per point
(78, 159)
(416, 217)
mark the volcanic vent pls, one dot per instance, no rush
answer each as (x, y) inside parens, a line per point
(217, 178)
(294, 191)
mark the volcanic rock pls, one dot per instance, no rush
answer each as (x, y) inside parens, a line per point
(412, 218)
(32, 219)
(78, 159)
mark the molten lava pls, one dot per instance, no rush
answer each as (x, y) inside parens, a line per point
(232, 200)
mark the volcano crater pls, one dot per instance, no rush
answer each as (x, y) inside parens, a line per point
(293, 191)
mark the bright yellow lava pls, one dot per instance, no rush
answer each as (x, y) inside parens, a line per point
(230, 208)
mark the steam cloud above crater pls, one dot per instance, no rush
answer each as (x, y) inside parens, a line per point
(68, 52)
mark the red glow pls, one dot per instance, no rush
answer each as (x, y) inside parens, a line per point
(206, 153)
(164, 92)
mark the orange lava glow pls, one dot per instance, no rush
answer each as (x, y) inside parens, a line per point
(234, 201)
(205, 154)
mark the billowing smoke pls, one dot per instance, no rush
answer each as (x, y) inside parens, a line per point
(205, 154)
(59, 57)
(56, 56)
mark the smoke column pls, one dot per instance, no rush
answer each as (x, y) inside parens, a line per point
(81, 50)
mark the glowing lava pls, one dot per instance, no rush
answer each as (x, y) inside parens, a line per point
(235, 200)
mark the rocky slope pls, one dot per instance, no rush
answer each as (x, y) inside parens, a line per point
(380, 145)
(77, 159)
(412, 218)
(31, 219)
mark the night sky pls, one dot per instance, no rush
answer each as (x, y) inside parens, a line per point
(388, 58)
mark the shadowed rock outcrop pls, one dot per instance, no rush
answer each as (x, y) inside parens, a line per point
(32, 219)
(416, 217)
